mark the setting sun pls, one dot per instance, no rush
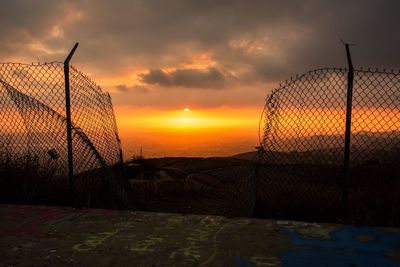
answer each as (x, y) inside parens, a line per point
(186, 109)
(198, 132)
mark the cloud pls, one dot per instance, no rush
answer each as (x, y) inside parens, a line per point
(191, 78)
(162, 34)
(250, 43)
(123, 88)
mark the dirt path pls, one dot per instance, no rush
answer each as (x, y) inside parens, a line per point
(54, 236)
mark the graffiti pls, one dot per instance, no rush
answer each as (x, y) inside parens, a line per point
(191, 253)
(353, 246)
(297, 223)
(261, 261)
(95, 241)
(43, 220)
(200, 241)
(174, 223)
(257, 261)
(98, 239)
(215, 244)
(148, 244)
(38, 220)
(126, 225)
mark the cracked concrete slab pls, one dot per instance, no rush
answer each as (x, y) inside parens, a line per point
(59, 236)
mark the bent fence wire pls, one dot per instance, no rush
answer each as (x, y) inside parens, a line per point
(302, 148)
(299, 171)
(33, 119)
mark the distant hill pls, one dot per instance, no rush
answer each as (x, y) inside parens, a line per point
(245, 156)
(328, 149)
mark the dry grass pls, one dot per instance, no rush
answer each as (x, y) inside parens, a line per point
(214, 186)
(23, 180)
(314, 193)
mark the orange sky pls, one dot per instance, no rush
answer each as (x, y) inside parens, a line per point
(218, 59)
(190, 132)
(216, 122)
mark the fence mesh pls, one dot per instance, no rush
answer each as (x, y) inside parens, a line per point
(302, 148)
(299, 167)
(33, 121)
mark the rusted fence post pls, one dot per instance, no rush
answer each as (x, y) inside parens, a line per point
(69, 126)
(347, 143)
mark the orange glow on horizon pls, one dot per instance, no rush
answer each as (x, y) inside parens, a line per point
(186, 120)
(191, 132)
(229, 131)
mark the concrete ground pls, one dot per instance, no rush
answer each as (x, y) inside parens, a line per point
(56, 236)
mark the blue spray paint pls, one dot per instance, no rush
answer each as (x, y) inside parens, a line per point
(342, 249)
(243, 262)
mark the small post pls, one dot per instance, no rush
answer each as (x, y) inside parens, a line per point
(121, 162)
(349, 104)
(69, 126)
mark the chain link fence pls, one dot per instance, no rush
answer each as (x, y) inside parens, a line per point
(301, 171)
(33, 123)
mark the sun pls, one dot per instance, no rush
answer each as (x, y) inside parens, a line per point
(186, 109)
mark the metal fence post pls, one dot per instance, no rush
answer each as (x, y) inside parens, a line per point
(349, 103)
(121, 159)
(69, 126)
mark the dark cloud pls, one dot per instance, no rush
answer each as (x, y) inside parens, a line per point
(191, 78)
(175, 97)
(123, 88)
(27, 27)
(251, 42)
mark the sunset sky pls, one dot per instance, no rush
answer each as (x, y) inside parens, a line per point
(190, 77)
